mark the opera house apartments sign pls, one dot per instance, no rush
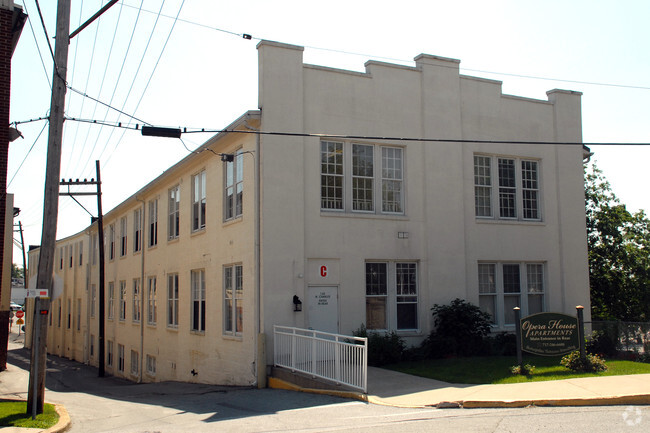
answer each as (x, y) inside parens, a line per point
(550, 334)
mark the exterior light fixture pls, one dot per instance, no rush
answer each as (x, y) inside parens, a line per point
(297, 303)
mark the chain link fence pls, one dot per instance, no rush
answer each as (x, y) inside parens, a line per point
(622, 339)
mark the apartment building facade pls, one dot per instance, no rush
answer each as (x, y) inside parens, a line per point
(367, 196)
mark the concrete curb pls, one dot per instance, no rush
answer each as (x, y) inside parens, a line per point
(281, 384)
(64, 420)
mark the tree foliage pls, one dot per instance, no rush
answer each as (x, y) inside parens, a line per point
(619, 253)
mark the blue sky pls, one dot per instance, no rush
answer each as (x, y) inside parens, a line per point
(198, 72)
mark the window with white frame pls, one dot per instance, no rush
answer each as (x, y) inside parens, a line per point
(137, 230)
(120, 357)
(111, 242)
(152, 310)
(123, 237)
(61, 257)
(81, 253)
(504, 286)
(198, 201)
(122, 300)
(173, 225)
(506, 188)
(391, 296)
(111, 300)
(197, 282)
(135, 363)
(136, 299)
(151, 365)
(233, 292)
(362, 177)
(234, 187)
(172, 300)
(71, 254)
(153, 223)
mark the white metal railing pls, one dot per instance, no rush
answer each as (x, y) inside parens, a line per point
(341, 359)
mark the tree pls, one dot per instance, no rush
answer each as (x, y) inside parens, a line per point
(619, 254)
(17, 271)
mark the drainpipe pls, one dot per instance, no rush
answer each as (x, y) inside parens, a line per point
(142, 285)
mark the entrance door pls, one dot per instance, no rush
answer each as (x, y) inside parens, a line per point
(324, 309)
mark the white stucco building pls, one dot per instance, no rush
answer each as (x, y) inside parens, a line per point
(369, 196)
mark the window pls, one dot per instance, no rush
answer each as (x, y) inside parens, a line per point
(504, 286)
(234, 170)
(81, 253)
(111, 242)
(109, 353)
(120, 357)
(151, 301)
(137, 230)
(172, 300)
(516, 195)
(198, 300)
(352, 182)
(136, 299)
(122, 300)
(69, 314)
(151, 365)
(233, 298)
(198, 201)
(78, 319)
(111, 300)
(61, 255)
(92, 346)
(71, 254)
(123, 237)
(59, 321)
(135, 363)
(174, 212)
(391, 295)
(153, 223)
(93, 299)
(94, 248)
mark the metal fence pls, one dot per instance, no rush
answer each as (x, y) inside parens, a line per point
(621, 336)
(341, 359)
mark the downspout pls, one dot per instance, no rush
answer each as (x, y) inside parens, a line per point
(142, 285)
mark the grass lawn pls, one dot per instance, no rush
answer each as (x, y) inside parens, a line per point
(496, 369)
(13, 414)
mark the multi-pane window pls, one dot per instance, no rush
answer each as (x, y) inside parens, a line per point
(504, 286)
(151, 365)
(123, 237)
(111, 300)
(122, 300)
(120, 357)
(233, 288)
(153, 223)
(376, 295)
(109, 353)
(135, 363)
(81, 253)
(172, 300)
(93, 299)
(61, 257)
(391, 295)
(234, 183)
(173, 226)
(136, 299)
(152, 310)
(198, 201)
(137, 230)
(351, 178)
(111, 242)
(362, 177)
(197, 282)
(517, 191)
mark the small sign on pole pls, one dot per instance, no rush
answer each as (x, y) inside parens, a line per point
(38, 293)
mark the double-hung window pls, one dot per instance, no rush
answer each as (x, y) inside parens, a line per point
(111, 300)
(153, 223)
(172, 300)
(234, 183)
(152, 310)
(198, 201)
(137, 230)
(504, 286)
(136, 299)
(111, 242)
(392, 296)
(233, 292)
(122, 300)
(506, 188)
(123, 236)
(198, 300)
(93, 299)
(135, 363)
(173, 225)
(120, 358)
(359, 177)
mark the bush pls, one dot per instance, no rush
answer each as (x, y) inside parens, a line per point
(603, 343)
(501, 344)
(525, 370)
(460, 330)
(591, 363)
(383, 348)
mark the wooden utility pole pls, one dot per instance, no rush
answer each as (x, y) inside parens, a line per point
(50, 211)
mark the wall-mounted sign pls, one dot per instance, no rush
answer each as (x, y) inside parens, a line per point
(549, 334)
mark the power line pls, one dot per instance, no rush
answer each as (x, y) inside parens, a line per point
(38, 48)
(28, 152)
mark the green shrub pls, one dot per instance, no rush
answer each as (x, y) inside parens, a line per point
(603, 342)
(460, 330)
(383, 348)
(591, 363)
(524, 370)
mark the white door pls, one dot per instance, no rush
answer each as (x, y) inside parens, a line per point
(323, 305)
